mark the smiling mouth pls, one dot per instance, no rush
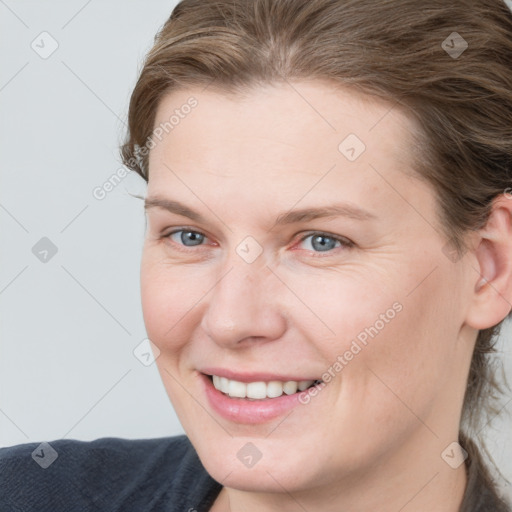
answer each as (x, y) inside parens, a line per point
(260, 390)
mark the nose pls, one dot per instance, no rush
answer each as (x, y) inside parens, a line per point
(244, 305)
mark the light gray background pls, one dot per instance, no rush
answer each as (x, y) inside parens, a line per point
(70, 325)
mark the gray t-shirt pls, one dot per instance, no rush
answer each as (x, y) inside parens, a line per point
(142, 475)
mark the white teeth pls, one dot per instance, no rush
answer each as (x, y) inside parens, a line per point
(274, 389)
(256, 390)
(290, 387)
(304, 384)
(237, 389)
(223, 385)
(259, 390)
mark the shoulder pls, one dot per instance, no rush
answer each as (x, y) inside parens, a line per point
(104, 474)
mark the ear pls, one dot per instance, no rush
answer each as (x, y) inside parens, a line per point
(492, 290)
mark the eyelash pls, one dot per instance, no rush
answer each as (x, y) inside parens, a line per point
(345, 243)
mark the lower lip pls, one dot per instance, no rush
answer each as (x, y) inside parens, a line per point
(241, 410)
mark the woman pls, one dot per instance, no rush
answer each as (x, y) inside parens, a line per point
(327, 262)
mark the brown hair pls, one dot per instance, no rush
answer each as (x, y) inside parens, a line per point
(399, 51)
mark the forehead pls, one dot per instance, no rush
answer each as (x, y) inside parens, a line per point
(305, 123)
(277, 145)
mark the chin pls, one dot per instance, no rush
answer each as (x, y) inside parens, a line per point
(275, 464)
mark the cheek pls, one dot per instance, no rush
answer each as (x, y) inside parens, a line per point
(169, 302)
(407, 362)
(388, 329)
(348, 308)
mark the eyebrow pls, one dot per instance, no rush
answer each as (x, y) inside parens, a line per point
(290, 217)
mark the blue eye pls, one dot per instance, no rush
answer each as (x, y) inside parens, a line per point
(320, 242)
(314, 242)
(187, 237)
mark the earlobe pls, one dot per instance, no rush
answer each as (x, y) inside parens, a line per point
(492, 291)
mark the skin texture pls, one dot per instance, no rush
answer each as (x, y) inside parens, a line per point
(372, 439)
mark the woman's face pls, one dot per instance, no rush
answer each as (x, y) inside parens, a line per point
(287, 241)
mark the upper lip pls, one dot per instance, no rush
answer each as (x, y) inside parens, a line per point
(253, 376)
